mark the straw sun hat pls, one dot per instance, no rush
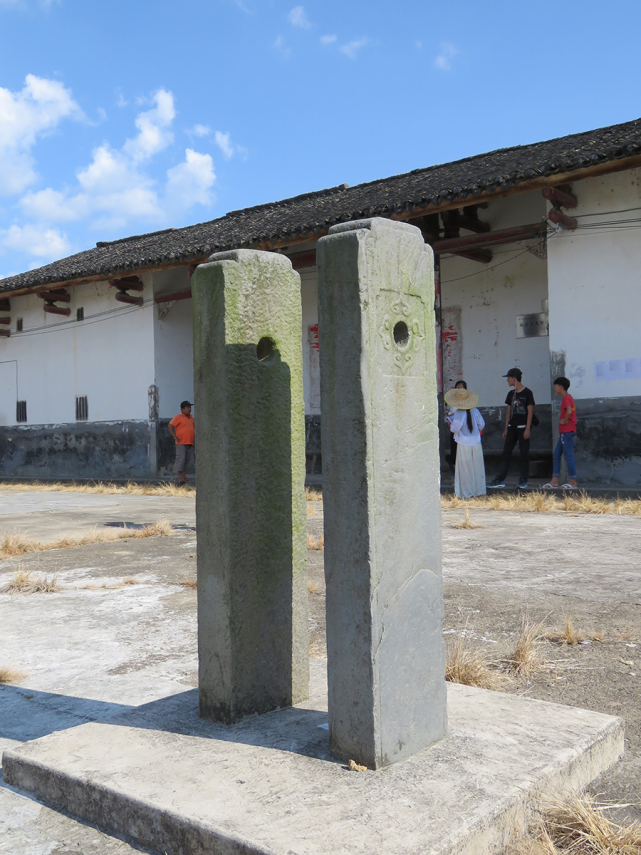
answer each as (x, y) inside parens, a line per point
(461, 399)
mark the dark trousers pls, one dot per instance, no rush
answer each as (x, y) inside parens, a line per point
(451, 457)
(515, 435)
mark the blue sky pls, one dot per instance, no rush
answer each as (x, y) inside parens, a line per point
(134, 115)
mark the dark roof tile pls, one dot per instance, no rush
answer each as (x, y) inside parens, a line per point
(304, 214)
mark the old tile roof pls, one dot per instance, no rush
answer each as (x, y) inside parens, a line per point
(312, 213)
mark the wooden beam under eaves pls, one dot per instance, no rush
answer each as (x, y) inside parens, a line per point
(483, 256)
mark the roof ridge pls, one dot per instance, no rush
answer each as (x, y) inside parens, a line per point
(424, 169)
(101, 243)
(313, 194)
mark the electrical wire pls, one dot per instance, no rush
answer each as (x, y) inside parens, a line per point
(98, 317)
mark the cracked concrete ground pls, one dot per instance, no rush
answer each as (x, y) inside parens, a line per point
(89, 651)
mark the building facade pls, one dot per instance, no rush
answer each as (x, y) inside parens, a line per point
(538, 256)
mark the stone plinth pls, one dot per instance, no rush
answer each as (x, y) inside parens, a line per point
(386, 658)
(173, 783)
(250, 506)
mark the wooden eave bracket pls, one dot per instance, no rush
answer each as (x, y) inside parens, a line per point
(126, 284)
(561, 197)
(56, 295)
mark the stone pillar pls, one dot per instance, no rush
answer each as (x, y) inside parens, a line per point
(386, 657)
(253, 648)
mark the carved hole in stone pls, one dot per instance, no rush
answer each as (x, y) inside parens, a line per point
(265, 349)
(401, 334)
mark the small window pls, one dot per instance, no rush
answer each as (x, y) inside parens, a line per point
(18, 324)
(82, 408)
(80, 314)
(21, 411)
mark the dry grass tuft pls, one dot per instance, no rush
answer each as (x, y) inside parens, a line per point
(24, 582)
(468, 664)
(315, 541)
(129, 580)
(568, 635)
(311, 510)
(353, 766)
(10, 675)
(543, 502)
(527, 659)
(16, 544)
(189, 583)
(312, 587)
(161, 528)
(131, 488)
(313, 494)
(467, 522)
(576, 825)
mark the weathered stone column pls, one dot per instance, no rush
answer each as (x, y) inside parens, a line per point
(386, 661)
(250, 506)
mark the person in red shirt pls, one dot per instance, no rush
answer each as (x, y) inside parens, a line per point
(181, 427)
(567, 435)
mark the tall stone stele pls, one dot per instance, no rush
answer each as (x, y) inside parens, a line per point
(250, 505)
(386, 659)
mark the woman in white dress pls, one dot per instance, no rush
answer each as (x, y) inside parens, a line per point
(466, 424)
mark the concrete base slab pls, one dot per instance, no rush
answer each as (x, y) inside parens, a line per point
(163, 778)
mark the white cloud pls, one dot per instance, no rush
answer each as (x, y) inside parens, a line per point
(224, 143)
(115, 189)
(24, 117)
(445, 58)
(328, 40)
(353, 47)
(53, 206)
(281, 46)
(47, 244)
(298, 18)
(121, 101)
(189, 183)
(154, 132)
(45, 4)
(200, 130)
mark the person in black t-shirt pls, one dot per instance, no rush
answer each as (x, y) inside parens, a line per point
(518, 422)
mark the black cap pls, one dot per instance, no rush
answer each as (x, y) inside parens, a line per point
(184, 404)
(514, 372)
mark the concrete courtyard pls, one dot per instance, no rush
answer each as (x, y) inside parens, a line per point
(121, 629)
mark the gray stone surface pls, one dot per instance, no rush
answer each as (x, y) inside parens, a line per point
(386, 659)
(177, 784)
(49, 516)
(250, 507)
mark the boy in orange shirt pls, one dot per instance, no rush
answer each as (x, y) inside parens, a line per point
(567, 435)
(181, 427)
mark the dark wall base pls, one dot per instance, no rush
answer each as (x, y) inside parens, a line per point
(166, 448)
(541, 441)
(608, 444)
(608, 447)
(79, 450)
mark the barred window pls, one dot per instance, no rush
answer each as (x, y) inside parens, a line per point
(21, 411)
(82, 408)
(18, 324)
(80, 314)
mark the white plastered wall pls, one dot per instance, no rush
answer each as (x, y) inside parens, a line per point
(173, 343)
(490, 297)
(595, 285)
(108, 357)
